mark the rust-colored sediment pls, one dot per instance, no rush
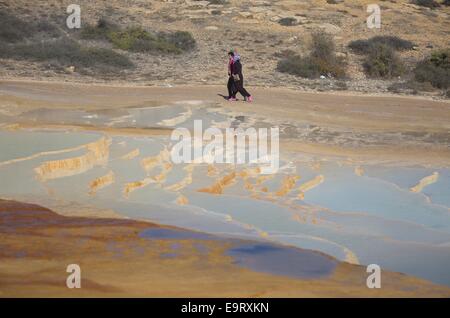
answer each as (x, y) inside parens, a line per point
(38, 244)
(287, 185)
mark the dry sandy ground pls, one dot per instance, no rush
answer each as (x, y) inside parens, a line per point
(38, 244)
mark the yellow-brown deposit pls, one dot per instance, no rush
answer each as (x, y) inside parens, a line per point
(132, 154)
(101, 182)
(97, 154)
(116, 262)
(131, 186)
(150, 163)
(221, 184)
(311, 184)
(425, 182)
(287, 185)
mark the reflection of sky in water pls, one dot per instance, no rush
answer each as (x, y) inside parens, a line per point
(18, 144)
(374, 216)
(145, 117)
(344, 191)
(296, 263)
(175, 234)
(262, 257)
(439, 192)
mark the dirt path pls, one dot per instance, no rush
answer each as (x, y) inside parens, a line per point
(381, 116)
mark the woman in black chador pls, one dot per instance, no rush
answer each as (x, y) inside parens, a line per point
(236, 79)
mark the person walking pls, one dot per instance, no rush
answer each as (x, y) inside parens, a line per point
(238, 78)
(230, 85)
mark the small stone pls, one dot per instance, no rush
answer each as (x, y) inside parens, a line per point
(245, 14)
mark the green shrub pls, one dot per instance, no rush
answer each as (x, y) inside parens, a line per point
(435, 69)
(136, 39)
(13, 29)
(67, 52)
(383, 62)
(99, 31)
(300, 66)
(394, 42)
(139, 40)
(127, 39)
(183, 40)
(322, 60)
(218, 1)
(441, 58)
(426, 3)
(323, 46)
(288, 21)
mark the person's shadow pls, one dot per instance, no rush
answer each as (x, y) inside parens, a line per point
(224, 96)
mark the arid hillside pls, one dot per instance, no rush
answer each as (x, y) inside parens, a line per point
(264, 32)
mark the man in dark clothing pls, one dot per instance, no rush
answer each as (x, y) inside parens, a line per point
(237, 78)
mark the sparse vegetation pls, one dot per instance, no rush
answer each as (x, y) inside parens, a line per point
(99, 31)
(322, 60)
(183, 40)
(383, 62)
(136, 39)
(218, 1)
(65, 52)
(435, 69)
(288, 21)
(13, 29)
(394, 42)
(426, 3)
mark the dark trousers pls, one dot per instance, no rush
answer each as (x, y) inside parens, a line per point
(240, 88)
(231, 87)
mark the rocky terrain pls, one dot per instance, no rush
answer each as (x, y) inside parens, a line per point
(261, 31)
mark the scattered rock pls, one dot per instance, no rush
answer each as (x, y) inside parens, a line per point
(246, 14)
(327, 28)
